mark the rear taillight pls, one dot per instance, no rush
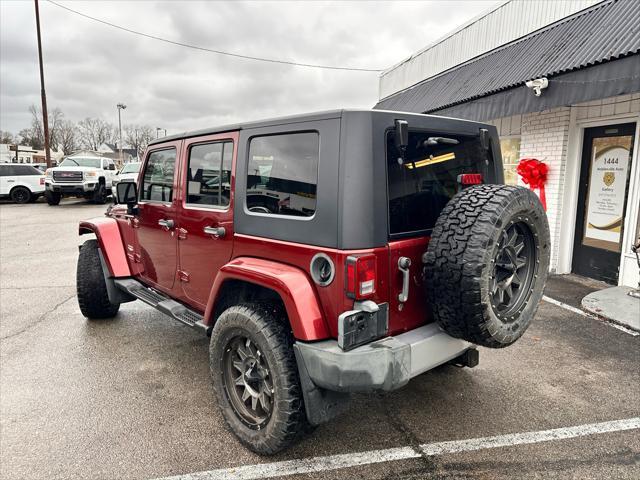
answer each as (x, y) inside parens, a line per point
(41, 180)
(361, 277)
(470, 179)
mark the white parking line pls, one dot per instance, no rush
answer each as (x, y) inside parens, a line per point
(335, 462)
(570, 308)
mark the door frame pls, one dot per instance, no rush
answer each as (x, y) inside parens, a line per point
(173, 205)
(571, 186)
(226, 213)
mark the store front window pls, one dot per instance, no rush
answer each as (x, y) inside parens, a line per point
(510, 147)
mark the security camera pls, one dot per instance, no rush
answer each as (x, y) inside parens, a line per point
(537, 85)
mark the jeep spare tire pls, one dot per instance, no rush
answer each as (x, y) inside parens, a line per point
(487, 263)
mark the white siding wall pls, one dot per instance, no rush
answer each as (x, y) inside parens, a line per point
(509, 21)
(545, 136)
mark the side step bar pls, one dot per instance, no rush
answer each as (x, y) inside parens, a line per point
(162, 303)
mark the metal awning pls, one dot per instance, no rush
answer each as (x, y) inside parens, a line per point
(603, 34)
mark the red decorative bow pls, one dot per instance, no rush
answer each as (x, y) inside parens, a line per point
(534, 174)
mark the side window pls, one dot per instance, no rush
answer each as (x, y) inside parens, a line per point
(4, 171)
(209, 174)
(282, 174)
(157, 183)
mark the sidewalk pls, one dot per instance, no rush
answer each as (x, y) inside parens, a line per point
(595, 297)
(614, 304)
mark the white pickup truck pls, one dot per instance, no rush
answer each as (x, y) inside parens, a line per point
(21, 183)
(81, 176)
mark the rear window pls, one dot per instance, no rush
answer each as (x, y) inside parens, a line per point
(282, 174)
(421, 186)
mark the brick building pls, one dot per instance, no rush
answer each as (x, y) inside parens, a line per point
(583, 122)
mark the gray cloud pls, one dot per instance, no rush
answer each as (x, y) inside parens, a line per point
(89, 67)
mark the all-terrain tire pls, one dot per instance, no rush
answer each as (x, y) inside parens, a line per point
(91, 287)
(268, 329)
(53, 198)
(472, 256)
(20, 194)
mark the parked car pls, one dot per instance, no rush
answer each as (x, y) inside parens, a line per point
(324, 254)
(128, 173)
(88, 177)
(20, 182)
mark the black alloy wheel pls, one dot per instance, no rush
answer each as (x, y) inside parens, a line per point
(247, 381)
(20, 195)
(513, 270)
(487, 263)
(255, 376)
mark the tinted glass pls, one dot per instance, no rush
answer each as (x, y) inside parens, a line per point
(157, 184)
(26, 170)
(209, 174)
(82, 162)
(421, 186)
(282, 174)
(19, 170)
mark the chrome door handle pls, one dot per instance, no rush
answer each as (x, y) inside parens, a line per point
(166, 224)
(217, 232)
(403, 265)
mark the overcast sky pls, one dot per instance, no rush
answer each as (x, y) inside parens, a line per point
(90, 67)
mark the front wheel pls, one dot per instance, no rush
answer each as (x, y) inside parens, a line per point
(255, 378)
(100, 195)
(53, 198)
(91, 286)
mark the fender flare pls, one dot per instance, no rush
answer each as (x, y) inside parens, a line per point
(291, 283)
(108, 235)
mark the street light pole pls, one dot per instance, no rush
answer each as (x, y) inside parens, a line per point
(45, 115)
(121, 106)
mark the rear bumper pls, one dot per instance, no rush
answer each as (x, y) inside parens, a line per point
(385, 364)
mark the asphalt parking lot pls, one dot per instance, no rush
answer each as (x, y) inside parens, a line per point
(131, 397)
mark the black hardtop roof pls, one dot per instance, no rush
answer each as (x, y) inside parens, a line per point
(300, 118)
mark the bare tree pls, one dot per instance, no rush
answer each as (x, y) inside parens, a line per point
(34, 135)
(93, 132)
(138, 137)
(7, 137)
(67, 136)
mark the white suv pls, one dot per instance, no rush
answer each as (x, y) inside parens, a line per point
(88, 177)
(21, 183)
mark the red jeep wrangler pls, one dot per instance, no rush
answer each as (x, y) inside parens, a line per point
(324, 254)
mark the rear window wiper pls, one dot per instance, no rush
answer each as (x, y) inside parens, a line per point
(440, 140)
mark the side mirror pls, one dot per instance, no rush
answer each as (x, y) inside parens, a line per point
(127, 194)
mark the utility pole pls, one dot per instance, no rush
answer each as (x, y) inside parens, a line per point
(121, 106)
(45, 115)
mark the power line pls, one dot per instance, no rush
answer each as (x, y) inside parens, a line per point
(218, 52)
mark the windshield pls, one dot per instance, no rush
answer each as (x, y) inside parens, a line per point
(423, 184)
(81, 162)
(131, 168)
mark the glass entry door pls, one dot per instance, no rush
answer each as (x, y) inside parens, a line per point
(602, 201)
